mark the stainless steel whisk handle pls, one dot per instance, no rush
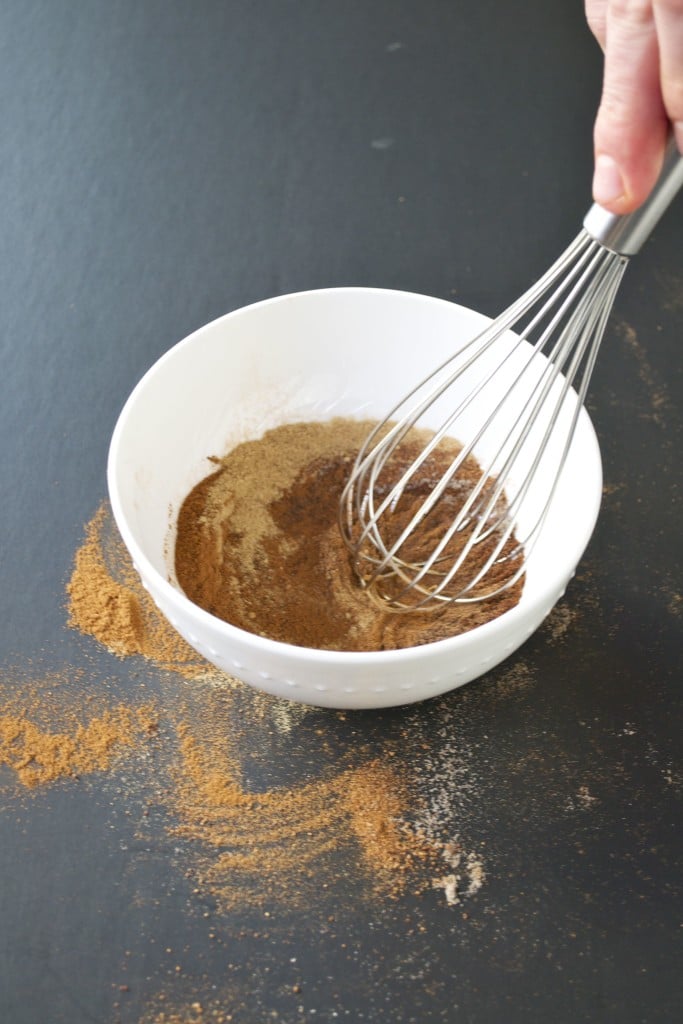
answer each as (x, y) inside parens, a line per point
(626, 234)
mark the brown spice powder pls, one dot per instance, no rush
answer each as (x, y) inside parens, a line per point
(263, 845)
(258, 545)
(356, 823)
(44, 737)
(107, 601)
(208, 1011)
(248, 848)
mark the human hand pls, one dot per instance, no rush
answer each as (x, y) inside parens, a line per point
(642, 95)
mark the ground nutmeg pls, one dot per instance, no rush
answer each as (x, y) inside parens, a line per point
(258, 545)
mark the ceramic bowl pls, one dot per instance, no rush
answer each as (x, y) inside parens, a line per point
(311, 356)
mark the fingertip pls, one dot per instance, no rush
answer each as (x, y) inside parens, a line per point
(622, 183)
(609, 189)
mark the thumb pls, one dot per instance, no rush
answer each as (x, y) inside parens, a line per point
(631, 125)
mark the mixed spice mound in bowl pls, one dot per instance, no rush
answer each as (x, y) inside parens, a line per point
(258, 544)
(225, 472)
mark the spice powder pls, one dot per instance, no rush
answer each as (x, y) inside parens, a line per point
(258, 545)
(248, 847)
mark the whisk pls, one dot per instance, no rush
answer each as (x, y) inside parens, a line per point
(427, 521)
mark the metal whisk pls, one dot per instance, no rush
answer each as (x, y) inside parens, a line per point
(425, 523)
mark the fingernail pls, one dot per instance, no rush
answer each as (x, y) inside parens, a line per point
(608, 184)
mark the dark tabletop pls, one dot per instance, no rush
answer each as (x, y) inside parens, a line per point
(163, 162)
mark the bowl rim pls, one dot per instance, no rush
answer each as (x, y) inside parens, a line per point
(506, 621)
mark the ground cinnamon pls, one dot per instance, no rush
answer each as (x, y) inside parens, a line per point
(246, 847)
(107, 601)
(253, 847)
(47, 735)
(258, 545)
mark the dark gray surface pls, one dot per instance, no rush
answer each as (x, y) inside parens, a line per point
(164, 162)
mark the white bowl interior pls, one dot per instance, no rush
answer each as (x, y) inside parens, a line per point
(309, 356)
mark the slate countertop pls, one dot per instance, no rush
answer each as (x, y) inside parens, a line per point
(163, 163)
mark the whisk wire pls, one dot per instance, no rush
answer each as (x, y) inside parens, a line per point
(565, 346)
(525, 420)
(580, 340)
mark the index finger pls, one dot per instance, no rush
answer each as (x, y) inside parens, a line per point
(631, 126)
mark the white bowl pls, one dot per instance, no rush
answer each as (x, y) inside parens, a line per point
(311, 356)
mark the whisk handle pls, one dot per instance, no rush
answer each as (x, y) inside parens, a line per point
(626, 234)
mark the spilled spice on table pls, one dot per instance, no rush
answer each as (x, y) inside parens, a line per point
(48, 734)
(289, 840)
(249, 846)
(322, 839)
(366, 824)
(106, 601)
(193, 1011)
(39, 756)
